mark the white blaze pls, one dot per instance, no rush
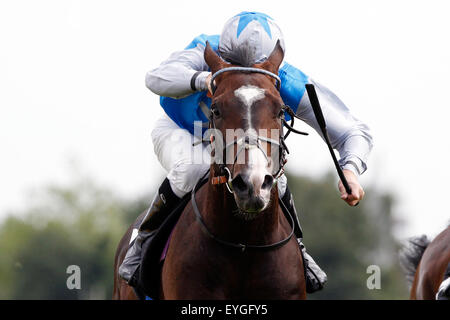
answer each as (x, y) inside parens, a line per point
(249, 95)
(258, 165)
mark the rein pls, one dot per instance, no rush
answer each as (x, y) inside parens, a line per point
(240, 246)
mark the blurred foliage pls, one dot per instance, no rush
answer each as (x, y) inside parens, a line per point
(345, 240)
(81, 224)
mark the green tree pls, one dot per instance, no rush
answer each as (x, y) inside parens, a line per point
(346, 240)
(82, 223)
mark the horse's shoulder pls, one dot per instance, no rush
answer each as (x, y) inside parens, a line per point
(440, 246)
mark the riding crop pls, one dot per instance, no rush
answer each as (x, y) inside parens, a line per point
(323, 126)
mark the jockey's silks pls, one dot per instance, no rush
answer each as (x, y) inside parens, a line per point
(185, 112)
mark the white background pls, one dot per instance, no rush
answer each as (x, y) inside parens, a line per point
(72, 90)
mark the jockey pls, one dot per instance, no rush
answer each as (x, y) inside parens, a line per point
(183, 81)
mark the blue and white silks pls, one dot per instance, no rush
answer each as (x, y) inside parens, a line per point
(186, 111)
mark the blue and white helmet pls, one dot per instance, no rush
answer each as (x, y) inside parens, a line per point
(249, 38)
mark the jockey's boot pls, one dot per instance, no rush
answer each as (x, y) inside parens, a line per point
(315, 277)
(163, 203)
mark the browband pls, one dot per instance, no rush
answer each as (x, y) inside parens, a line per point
(245, 69)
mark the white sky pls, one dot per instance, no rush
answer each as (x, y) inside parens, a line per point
(72, 87)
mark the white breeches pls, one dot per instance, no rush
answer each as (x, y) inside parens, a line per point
(185, 163)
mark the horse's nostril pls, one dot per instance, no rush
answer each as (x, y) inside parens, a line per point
(268, 182)
(239, 184)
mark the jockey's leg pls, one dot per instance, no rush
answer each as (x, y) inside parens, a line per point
(185, 163)
(163, 202)
(315, 277)
(174, 149)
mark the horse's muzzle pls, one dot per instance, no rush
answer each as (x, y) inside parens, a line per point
(252, 196)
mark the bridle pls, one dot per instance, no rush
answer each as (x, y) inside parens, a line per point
(244, 143)
(249, 141)
(247, 70)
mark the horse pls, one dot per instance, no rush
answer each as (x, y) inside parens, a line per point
(427, 266)
(233, 240)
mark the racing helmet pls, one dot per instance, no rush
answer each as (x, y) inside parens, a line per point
(249, 38)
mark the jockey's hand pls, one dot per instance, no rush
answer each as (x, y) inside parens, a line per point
(357, 191)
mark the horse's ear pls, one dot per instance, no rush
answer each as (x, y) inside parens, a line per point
(273, 63)
(212, 59)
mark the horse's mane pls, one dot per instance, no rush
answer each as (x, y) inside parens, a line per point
(411, 254)
(244, 55)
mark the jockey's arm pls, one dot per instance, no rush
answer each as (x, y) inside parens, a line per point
(348, 135)
(172, 78)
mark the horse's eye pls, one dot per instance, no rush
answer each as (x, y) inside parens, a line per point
(215, 111)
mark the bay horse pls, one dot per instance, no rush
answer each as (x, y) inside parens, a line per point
(427, 266)
(233, 240)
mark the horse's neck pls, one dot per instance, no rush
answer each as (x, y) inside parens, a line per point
(219, 209)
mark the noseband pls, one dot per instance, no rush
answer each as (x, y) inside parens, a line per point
(244, 143)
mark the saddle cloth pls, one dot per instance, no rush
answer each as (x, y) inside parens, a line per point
(154, 250)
